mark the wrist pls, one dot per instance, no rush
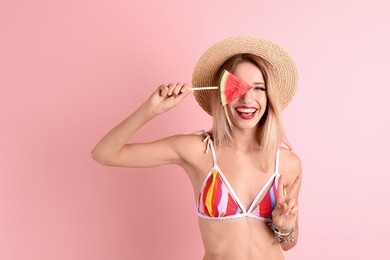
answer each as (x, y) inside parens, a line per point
(149, 109)
(283, 234)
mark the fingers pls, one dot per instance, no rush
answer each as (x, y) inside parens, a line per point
(286, 199)
(287, 209)
(281, 194)
(294, 210)
(295, 186)
(289, 206)
(173, 89)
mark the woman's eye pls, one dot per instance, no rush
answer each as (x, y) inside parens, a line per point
(260, 88)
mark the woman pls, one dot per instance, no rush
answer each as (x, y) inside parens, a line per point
(241, 174)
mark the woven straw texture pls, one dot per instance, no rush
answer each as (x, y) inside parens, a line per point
(282, 66)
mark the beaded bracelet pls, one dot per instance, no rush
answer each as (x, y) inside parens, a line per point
(283, 237)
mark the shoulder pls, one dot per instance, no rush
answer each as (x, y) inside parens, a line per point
(289, 164)
(188, 144)
(195, 155)
(184, 140)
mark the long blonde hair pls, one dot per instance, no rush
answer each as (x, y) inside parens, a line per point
(270, 132)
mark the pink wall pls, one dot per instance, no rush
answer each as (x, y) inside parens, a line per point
(71, 70)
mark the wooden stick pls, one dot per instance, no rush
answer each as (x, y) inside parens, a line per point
(205, 88)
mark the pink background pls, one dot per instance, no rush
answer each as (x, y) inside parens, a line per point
(71, 70)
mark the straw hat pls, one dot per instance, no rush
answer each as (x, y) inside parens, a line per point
(282, 66)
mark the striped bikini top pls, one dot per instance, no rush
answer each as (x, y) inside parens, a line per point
(218, 201)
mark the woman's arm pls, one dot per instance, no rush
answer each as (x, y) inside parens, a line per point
(285, 215)
(113, 149)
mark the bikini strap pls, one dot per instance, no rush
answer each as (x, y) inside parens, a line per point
(210, 146)
(277, 161)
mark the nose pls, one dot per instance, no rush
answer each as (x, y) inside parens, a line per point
(247, 97)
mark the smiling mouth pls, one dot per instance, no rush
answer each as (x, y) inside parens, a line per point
(246, 113)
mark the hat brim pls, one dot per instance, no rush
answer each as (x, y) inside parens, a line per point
(282, 66)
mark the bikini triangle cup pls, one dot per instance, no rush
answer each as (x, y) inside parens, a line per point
(218, 201)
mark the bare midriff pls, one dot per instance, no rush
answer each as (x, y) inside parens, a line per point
(243, 238)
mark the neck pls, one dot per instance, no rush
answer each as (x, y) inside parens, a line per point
(245, 139)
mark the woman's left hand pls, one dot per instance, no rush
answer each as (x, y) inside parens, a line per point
(286, 211)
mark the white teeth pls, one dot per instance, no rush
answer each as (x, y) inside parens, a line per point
(246, 110)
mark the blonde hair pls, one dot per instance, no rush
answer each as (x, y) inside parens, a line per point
(270, 132)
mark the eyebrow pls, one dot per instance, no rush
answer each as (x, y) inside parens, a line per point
(259, 83)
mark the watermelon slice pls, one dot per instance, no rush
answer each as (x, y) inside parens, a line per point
(231, 87)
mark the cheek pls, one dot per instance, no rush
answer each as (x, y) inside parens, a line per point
(230, 110)
(262, 99)
(263, 103)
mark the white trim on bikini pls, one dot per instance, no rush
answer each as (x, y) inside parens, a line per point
(245, 213)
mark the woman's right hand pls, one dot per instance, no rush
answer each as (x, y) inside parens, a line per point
(168, 96)
(114, 149)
